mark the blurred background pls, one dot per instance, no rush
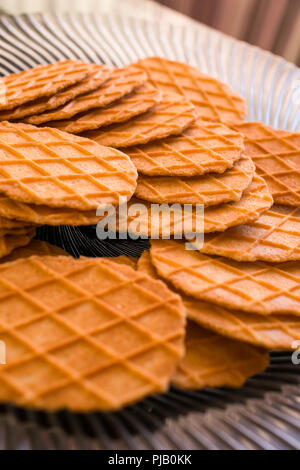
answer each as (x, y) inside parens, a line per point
(270, 24)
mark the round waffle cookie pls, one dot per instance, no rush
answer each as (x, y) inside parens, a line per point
(274, 237)
(202, 148)
(98, 74)
(270, 332)
(83, 335)
(211, 360)
(49, 167)
(44, 80)
(166, 220)
(10, 224)
(276, 154)
(121, 82)
(19, 213)
(11, 241)
(230, 364)
(137, 102)
(275, 332)
(34, 248)
(214, 100)
(209, 189)
(252, 287)
(171, 116)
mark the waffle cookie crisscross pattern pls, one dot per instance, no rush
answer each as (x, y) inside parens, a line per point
(210, 360)
(214, 100)
(202, 148)
(45, 80)
(125, 348)
(47, 166)
(170, 117)
(98, 74)
(209, 189)
(271, 332)
(252, 287)
(143, 220)
(18, 213)
(274, 237)
(276, 154)
(121, 82)
(137, 102)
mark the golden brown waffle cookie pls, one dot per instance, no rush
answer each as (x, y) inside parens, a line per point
(45, 80)
(44, 215)
(202, 148)
(254, 201)
(11, 241)
(137, 102)
(270, 332)
(16, 231)
(209, 190)
(47, 166)
(34, 248)
(132, 262)
(252, 287)
(274, 237)
(214, 100)
(84, 335)
(211, 360)
(276, 154)
(121, 82)
(98, 74)
(171, 116)
(8, 223)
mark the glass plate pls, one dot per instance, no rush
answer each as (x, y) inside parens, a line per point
(265, 413)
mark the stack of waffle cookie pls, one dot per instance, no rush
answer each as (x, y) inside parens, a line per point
(98, 334)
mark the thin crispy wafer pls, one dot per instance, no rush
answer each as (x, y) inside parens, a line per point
(202, 148)
(276, 154)
(44, 80)
(21, 213)
(275, 332)
(98, 74)
(137, 102)
(9, 223)
(170, 117)
(214, 100)
(211, 360)
(144, 219)
(85, 334)
(123, 259)
(274, 237)
(210, 189)
(270, 332)
(49, 167)
(256, 287)
(121, 82)
(34, 248)
(9, 242)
